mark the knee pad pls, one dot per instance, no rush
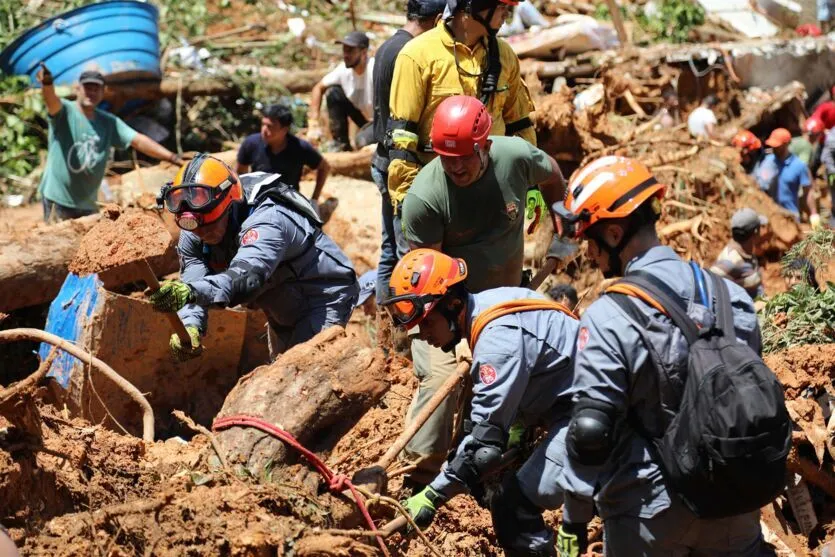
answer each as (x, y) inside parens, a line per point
(590, 436)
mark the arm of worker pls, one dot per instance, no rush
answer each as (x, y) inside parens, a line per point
(500, 376)
(312, 158)
(148, 146)
(264, 239)
(192, 268)
(609, 348)
(245, 157)
(323, 170)
(423, 226)
(53, 102)
(330, 79)
(406, 103)
(732, 266)
(553, 190)
(518, 106)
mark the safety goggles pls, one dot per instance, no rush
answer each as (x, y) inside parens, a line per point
(194, 197)
(570, 221)
(407, 310)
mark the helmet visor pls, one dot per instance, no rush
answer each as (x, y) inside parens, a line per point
(409, 309)
(194, 197)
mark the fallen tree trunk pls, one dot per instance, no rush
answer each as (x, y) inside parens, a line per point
(315, 391)
(296, 81)
(33, 266)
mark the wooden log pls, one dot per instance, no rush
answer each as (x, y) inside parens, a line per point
(33, 265)
(315, 391)
(296, 81)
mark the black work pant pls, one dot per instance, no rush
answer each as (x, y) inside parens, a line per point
(340, 108)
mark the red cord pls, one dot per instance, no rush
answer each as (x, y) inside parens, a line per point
(336, 482)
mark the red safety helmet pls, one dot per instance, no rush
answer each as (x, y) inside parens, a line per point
(746, 141)
(814, 125)
(460, 126)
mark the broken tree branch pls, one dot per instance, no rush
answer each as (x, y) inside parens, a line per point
(31, 381)
(180, 415)
(37, 335)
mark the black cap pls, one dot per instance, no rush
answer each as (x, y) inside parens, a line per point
(355, 39)
(425, 8)
(91, 76)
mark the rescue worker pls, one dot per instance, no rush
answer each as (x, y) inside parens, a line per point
(520, 371)
(614, 203)
(468, 203)
(421, 16)
(737, 261)
(750, 150)
(461, 56)
(252, 239)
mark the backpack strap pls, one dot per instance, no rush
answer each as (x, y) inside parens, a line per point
(513, 306)
(724, 309)
(651, 288)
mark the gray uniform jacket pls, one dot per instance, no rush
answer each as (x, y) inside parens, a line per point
(301, 270)
(521, 369)
(828, 152)
(613, 364)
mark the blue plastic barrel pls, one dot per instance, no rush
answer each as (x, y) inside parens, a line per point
(119, 38)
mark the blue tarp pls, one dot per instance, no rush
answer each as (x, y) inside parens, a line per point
(69, 314)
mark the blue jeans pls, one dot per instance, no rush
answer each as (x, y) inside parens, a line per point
(393, 245)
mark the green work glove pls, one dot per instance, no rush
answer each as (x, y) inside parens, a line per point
(423, 506)
(572, 540)
(171, 296)
(515, 435)
(183, 353)
(534, 208)
(830, 179)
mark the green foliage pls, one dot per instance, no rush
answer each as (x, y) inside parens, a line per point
(671, 22)
(803, 315)
(674, 20)
(17, 16)
(22, 132)
(800, 316)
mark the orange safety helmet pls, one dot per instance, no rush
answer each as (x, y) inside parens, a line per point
(201, 192)
(609, 188)
(419, 281)
(460, 126)
(746, 141)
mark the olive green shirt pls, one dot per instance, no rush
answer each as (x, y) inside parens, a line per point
(482, 223)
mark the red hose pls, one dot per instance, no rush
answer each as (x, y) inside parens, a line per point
(336, 482)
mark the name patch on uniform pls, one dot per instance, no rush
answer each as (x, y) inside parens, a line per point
(487, 373)
(582, 338)
(250, 237)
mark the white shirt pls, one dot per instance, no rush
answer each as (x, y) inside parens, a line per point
(698, 121)
(358, 88)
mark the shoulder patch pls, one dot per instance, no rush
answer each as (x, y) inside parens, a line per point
(582, 338)
(250, 237)
(487, 374)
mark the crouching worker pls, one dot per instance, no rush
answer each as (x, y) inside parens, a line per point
(523, 347)
(252, 240)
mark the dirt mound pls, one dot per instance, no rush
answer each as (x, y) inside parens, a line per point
(804, 368)
(121, 239)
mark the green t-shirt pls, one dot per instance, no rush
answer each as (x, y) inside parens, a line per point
(78, 153)
(482, 223)
(801, 148)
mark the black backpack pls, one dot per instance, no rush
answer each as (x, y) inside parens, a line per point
(724, 451)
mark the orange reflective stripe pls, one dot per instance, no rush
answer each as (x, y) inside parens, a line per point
(636, 292)
(513, 306)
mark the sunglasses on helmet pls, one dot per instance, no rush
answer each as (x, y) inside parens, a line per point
(406, 309)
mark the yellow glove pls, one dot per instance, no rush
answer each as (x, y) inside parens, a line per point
(815, 221)
(181, 353)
